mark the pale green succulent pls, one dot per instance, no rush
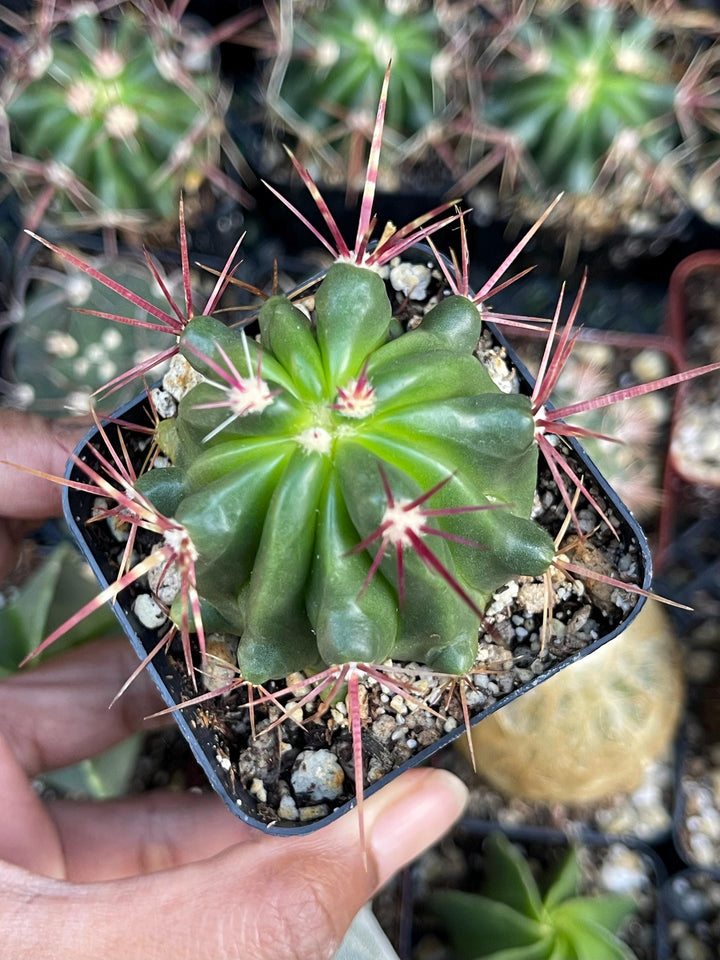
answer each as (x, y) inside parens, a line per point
(515, 918)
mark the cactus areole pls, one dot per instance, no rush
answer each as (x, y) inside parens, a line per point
(352, 496)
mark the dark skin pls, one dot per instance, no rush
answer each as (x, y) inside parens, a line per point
(160, 875)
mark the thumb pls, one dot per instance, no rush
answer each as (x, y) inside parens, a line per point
(273, 898)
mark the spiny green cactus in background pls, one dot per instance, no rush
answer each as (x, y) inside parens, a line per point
(105, 123)
(324, 81)
(58, 356)
(614, 103)
(516, 918)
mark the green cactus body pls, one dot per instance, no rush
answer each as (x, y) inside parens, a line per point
(588, 79)
(58, 357)
(302, 465)
(349, 45)
(120, 116)
(512, 919)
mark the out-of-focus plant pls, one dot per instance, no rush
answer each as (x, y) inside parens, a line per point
(516, 917)
(323, 82)
(43, 602)
(61, 582)
(589, 733)
(110, 110)
(60, 347)
(616, 103)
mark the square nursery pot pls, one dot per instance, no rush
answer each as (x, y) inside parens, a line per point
(218, 731)
(692, 325)
(630, 868)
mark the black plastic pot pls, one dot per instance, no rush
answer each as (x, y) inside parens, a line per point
(78, 508)
(412, 887)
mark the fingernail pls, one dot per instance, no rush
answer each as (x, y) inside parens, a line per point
(426, 804)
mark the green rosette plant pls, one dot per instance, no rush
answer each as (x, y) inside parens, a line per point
(515, 918)
(58, 584)
(109, 113)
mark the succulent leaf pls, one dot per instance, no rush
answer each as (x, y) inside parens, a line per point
(511, 920)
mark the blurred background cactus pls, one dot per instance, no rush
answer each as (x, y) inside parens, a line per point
(589, 733)
(322, 84)
(614, 103)
(56, 356)
(109, 111)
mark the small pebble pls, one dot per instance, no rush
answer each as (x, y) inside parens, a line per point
(313, 812)
(411, 279)
(148, 611)
(164, 403)
(317, 775)
(257, 789)
(287, 809)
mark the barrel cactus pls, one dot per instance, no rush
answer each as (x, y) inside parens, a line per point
(325, 76)
(313, 469)
(613, 103)
(108, 116)
(340, 493)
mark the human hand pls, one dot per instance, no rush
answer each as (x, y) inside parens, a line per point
(27, 500)
(162, 875)
(165, 875)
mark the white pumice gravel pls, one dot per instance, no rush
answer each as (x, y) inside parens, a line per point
(148, 611)
(317, 775)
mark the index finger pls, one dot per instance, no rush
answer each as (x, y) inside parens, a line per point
(45, 445)
(58, 713)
